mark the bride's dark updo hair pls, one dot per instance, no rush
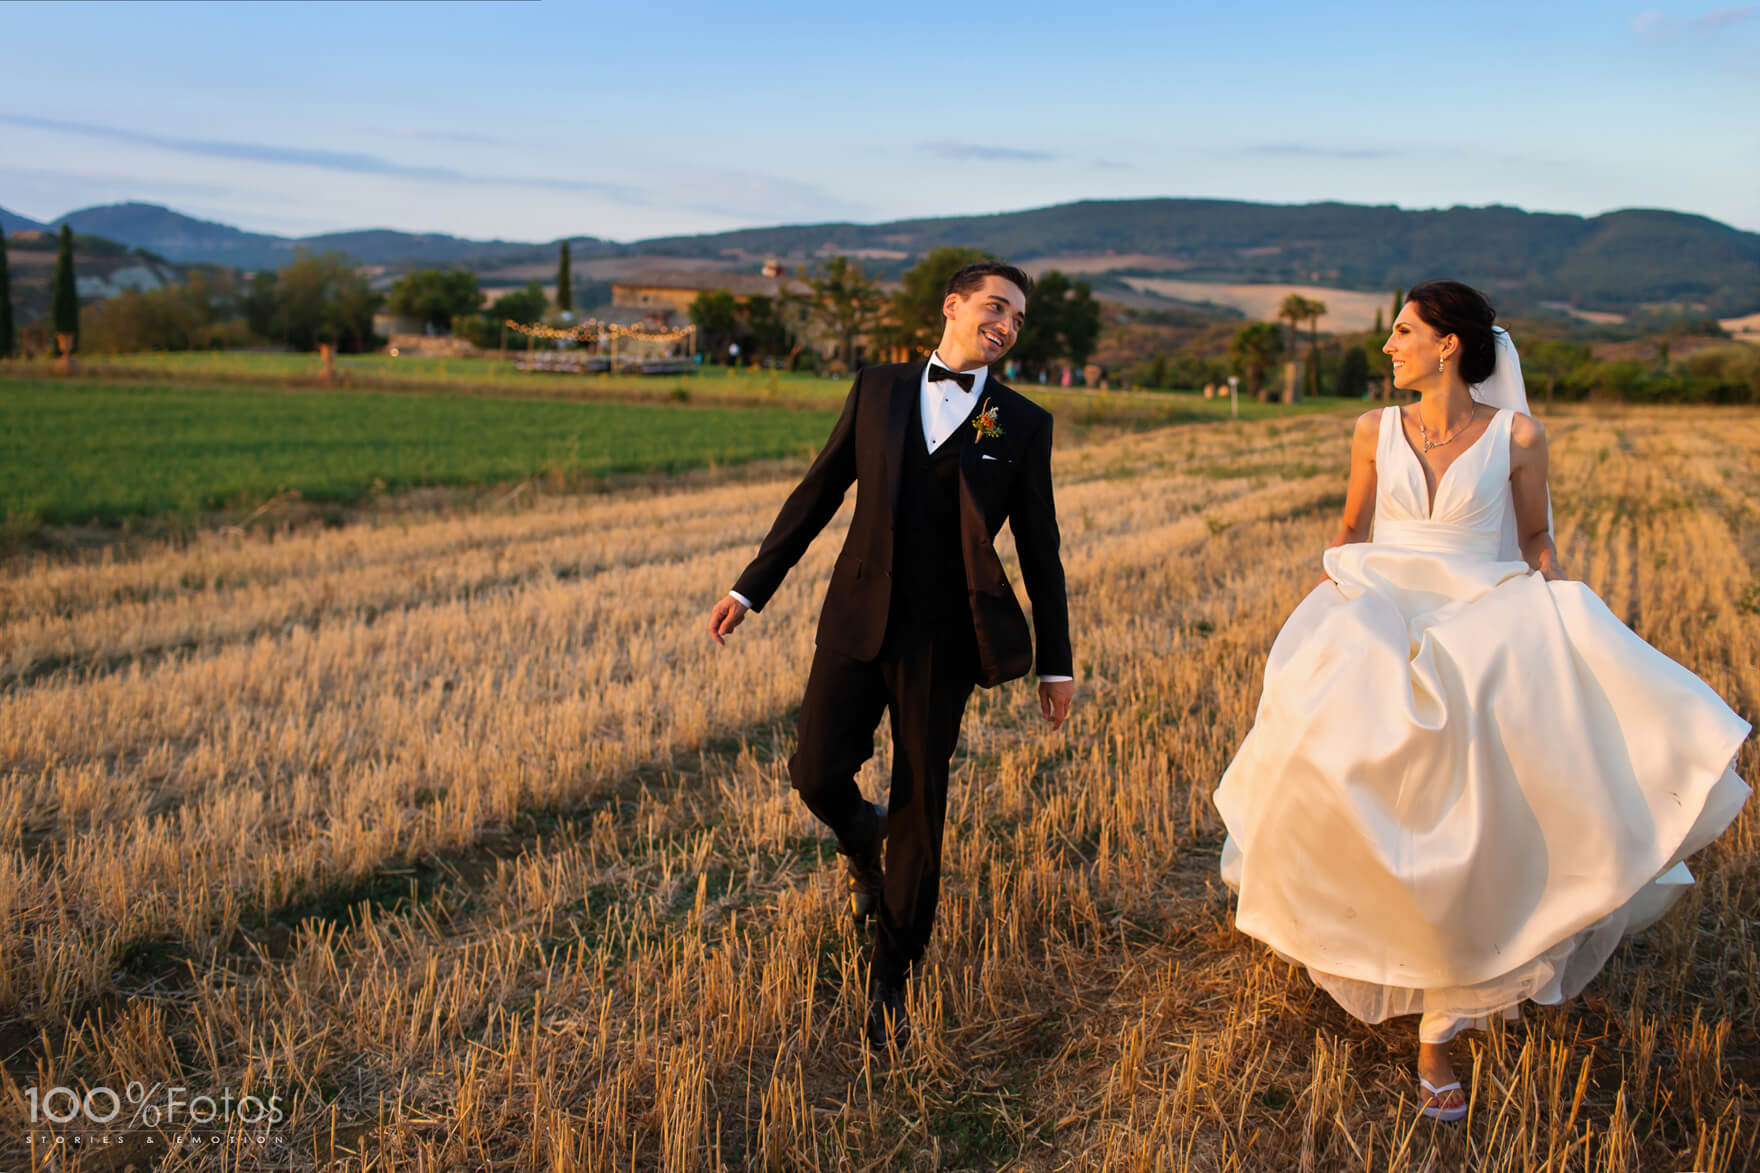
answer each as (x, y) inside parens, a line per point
(1448, 307)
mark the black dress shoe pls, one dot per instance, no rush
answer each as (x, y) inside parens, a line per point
(863, 856)
(887, 1021)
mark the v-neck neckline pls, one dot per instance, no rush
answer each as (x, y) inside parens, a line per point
(1432, 494)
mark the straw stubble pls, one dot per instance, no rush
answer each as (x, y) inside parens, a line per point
(460, 836)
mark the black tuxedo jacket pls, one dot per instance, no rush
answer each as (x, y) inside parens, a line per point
(1006, 477)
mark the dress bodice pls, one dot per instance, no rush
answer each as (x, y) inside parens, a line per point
(1472, 494)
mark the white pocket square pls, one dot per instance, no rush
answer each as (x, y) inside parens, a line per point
(987, 456)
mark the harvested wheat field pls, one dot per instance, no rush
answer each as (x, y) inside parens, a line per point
(461, 838)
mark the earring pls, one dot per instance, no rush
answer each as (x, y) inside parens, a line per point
(1441, 366)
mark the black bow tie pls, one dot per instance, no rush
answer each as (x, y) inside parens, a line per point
(940, 374)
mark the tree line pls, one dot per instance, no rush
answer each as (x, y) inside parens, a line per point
(316, 298)
(319, 298)
(1713, 369)
(323, 298)
(64, 298)
(841, 302)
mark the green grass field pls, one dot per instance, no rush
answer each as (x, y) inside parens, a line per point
(79, 450)
(142, 436)
(481, 375)
(711, 386)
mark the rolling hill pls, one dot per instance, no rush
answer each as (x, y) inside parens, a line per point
(1618, 262)
(13, 222)
(187, 240)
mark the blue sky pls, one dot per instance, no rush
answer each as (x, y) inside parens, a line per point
(531, 120)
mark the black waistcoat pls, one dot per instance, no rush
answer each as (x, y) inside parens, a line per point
(928, 571)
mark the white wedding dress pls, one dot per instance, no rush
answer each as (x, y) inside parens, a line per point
(1464, 783)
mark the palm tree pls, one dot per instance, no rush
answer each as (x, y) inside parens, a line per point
(1256, 346)
(1293, 310)
(1315, 311)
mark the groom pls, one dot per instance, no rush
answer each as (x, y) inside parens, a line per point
(919, 609)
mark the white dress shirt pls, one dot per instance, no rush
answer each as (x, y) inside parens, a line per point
(945, 406)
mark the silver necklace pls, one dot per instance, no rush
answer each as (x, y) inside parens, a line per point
(1424, 433)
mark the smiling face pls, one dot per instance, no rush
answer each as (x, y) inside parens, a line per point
(1417, 350)
(982, 325)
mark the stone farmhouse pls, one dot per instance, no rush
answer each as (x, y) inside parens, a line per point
(667, 296)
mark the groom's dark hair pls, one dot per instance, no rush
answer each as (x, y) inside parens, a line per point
(972, 276)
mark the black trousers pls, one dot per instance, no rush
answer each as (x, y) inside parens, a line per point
(923, 677)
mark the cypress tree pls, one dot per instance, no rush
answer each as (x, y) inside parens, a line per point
(1399, 299)
(64, 310)
(1380, 326)
(1353, 373)
(564, 282)
(6, 338)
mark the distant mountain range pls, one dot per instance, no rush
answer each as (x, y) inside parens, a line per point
(1622, 261)
(187, 240)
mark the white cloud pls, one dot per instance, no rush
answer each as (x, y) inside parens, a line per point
(1725, 16)
(944, 149)
(1654, 25)
(339, 189)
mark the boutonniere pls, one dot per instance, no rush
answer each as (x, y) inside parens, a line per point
(984, 423)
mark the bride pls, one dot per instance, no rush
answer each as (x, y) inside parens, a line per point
(1466, 779)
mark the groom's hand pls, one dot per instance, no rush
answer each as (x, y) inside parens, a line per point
(728, 614)
(1054, 699)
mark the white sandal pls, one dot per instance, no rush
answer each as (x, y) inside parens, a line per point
(1433, 1107)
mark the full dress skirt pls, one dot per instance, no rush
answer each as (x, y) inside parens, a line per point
(1464, 784)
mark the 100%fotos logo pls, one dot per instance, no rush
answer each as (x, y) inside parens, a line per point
(156, 1107)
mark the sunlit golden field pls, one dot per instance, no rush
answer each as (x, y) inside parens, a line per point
(458, 834)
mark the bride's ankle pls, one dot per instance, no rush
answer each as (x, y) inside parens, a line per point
(1434, 1061)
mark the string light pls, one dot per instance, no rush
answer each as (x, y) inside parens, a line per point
(593, 330)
